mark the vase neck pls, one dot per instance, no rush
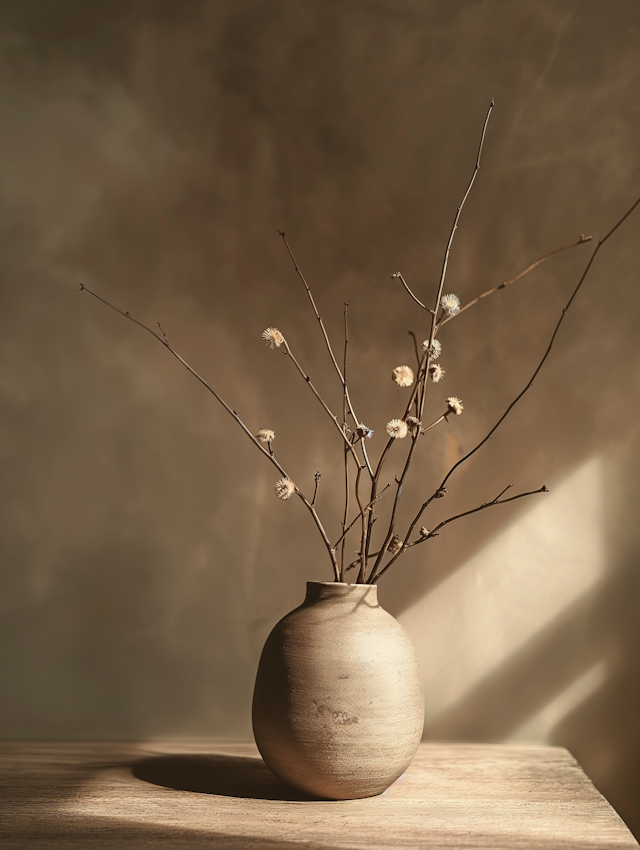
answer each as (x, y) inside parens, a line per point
(317, 590)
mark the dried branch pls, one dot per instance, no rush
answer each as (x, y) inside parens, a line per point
(363, 533)
(347, 441)
(324, 405)
(583, 239)
(406, 286)
(434, 531)
(346, 451)
(268, 454)
(316, 478)
(440, 419)
(367, 508)
(415, 347)
(326, 339)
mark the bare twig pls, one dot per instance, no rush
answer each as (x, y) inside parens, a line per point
(324, 405)
(347, 441)
(363, 534)
(268, 454)
(166, 341)
(445, 262)
(316, 478)
(583, 239)
(406, 286)
(434, 531)
(326, 339)
(346, 451)
(440, 419)
(415, 347)
(350, 526)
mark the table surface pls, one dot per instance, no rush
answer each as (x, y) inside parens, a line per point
(198, 794)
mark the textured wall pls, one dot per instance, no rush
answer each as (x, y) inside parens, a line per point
(151, 149)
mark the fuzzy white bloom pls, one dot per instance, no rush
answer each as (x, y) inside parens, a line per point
(397, 429)
(436, 372)
(285, 488)
(413, 422)
(273, 337)
(455, 405)
(450, 304)
(363, 432)
(403, 376)
(424, 532)
(395, 544)
(265, 435)
(436, 348)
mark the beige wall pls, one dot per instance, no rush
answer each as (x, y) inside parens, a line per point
(151, 150)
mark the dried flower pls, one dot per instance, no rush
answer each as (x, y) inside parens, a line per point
(397, 429)
(424, 532)
(363, 432)
(273, 337)
(395, 275)
(403, 376)
(413, 423)
(395, 545)
(435, 350)
(455, 405)
(436, 372)
(265, 435)
(285, 488)
(450, 304)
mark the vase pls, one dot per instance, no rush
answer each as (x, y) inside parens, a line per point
(338, 706)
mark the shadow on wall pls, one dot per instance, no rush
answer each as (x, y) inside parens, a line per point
(547, 649)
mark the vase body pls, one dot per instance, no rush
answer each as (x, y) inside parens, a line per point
(338, 707)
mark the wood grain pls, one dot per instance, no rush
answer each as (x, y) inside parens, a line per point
(196, 795)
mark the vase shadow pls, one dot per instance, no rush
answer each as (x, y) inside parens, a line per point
(227, 776)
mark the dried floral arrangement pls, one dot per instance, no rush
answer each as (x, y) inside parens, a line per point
(361, 475)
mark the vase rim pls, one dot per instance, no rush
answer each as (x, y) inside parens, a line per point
(340, 584)
(341, 589)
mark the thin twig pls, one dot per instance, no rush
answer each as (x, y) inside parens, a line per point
(415, 346)
(406, 286)
(269, 455)
(326, 339)
(316, 478)
(346, 451)
(350, 526)
(442, 487)
(434, 531)
(347, 441)
(363, 534)
(324, 405)
(583, 239)
(440, 419)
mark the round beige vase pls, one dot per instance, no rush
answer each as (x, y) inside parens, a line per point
(338, 706)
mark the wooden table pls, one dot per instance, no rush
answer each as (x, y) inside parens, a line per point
(196, 795)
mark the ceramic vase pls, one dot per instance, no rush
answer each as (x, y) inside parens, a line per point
(338, 705)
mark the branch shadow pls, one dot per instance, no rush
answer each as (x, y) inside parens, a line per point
(227, 776)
